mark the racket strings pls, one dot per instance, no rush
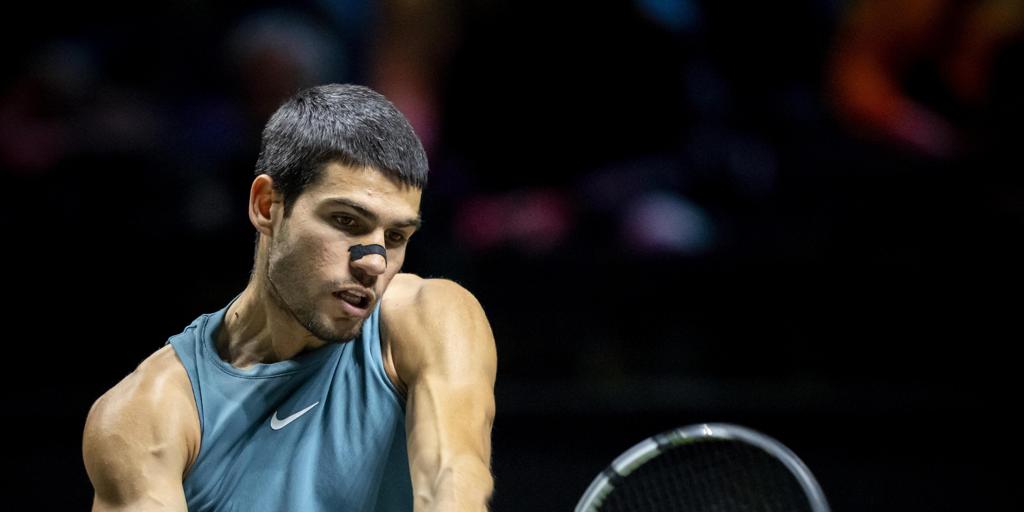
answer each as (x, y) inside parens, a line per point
(709, 476)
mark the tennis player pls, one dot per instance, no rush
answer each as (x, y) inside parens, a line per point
(332, 381)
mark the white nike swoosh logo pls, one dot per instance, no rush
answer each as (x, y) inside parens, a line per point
(277, 424)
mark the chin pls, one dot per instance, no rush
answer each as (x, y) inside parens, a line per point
(352, 333)
(345, 335)
(333, 331)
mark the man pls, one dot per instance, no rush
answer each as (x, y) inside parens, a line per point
(332, 382)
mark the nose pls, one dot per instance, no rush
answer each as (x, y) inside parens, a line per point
(369, 260)
(372, 264)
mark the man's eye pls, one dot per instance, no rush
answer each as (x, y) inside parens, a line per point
(345, 220)
(396, 237)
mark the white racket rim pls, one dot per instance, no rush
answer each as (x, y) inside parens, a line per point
(647, 449)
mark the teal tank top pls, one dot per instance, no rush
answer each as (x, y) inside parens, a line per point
(322, 431)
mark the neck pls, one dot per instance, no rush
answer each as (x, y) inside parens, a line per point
(257, 330)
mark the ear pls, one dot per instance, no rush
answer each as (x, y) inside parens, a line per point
(262, 199)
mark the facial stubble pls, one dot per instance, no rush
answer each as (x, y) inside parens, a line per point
(298, 301)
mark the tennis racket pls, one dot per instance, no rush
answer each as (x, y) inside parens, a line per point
(703, 468)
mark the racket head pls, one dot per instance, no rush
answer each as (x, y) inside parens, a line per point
(716, 449)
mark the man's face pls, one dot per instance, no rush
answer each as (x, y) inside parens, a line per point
(310, 270)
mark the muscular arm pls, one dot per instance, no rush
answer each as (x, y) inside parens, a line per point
(445, 359)
(140, 438)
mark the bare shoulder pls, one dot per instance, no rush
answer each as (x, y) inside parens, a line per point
(158, 385)
(435, 323)
(146, 425)
(401, 292)
(409, 293)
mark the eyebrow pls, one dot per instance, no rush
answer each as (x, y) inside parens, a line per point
(414, 222)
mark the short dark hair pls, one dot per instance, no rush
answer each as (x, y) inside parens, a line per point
(350, 124)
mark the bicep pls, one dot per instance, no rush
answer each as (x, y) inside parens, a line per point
(446, 421)
(125, 479)
(132, 457)
(448, 436)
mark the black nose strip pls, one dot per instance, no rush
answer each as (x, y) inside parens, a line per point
(358, 251)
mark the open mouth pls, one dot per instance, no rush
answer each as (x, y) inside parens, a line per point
(356, 299)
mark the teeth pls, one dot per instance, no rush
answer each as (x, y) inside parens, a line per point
(352, 297)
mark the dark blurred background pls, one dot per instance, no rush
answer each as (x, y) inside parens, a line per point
(804, 217)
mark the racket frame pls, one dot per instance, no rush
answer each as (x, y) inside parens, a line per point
(651, 447)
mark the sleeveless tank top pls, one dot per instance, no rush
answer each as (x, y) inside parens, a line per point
(322, 431)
